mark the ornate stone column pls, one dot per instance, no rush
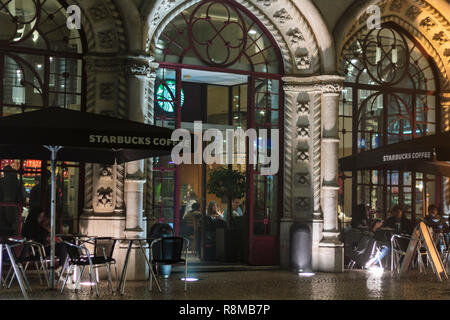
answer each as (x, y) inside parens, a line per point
(117, 86)
(311, 164)
(302, 161)
(331, 249)
(103, 212)
(140, 70)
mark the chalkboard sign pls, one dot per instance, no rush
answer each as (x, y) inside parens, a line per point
(421, 235)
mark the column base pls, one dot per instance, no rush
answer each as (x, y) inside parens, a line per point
(285, 242)
(331, 257)
(317, 227)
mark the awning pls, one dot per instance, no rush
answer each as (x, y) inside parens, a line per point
(84, 136)
(426, 154)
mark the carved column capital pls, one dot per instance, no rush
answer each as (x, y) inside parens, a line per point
(142, 66)
(326, 84)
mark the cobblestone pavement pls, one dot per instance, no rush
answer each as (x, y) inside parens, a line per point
(262, 285)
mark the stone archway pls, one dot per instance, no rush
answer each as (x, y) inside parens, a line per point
(428, 22)
(309, 190)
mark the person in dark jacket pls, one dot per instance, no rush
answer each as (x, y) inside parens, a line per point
(435, 221)
(37, 228)
(12, 191)
(399, 222)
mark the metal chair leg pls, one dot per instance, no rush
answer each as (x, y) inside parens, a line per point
(66, 263)
(67, 277)
(77, 283)
(91, 270)
(17, 272)
(108, 270)
(117, 277)
(185, 275)
(27, 283)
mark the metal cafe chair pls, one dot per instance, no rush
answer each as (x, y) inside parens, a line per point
(79, 257)
(103, 256)
(76, 239)
(32, 252)
(168, 251)
(396, 251)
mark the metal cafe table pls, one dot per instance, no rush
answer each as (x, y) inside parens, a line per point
(123, 277)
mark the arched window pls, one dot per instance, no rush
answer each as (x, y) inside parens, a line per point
(218, 34)
(390, 95)
(221, 66)
(40, 61)
(41, 66)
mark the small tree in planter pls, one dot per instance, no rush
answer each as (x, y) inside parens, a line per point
(227, 183)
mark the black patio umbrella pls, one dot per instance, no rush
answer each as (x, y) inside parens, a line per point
(58, 134)
(429, 154)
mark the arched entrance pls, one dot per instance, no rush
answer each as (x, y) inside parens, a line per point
(391, 94)
(219, 65)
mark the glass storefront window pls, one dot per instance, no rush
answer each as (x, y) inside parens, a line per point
(389, 96)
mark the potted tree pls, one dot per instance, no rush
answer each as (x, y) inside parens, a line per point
(227, 184)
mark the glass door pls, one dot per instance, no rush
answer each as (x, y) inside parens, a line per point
(264, 201)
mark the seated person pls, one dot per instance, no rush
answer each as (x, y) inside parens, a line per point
(361, 220)
(36, 227)
(401, 226)
(214, 218)
(194, 212)
(359, 240)
(237, 211)
(435, 221)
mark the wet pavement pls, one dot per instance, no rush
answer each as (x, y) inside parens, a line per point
(261, 285)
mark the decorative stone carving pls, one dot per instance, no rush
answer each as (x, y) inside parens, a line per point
(266, 2)
(295, 35)
(104, 185)
(303, 107)
(413, 12)
(396, 5)
(302, 203)
(302, 59)
(427, 23)
(331, 87)
(142, 70)
(104, 197)
(99, 11)
(440, 38)
(302, 155)
(107, 39)
(302, 178)
(303, 131)
(282, 16)
(167, 4)
(447, 54)
(106, 90)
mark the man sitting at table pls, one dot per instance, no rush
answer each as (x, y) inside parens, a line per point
(398, 224)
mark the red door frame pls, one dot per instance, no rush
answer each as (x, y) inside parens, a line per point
(256, 244)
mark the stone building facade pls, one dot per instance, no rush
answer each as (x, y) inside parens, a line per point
(120, 70)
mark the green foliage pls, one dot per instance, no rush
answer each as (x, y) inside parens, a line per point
(226, 183)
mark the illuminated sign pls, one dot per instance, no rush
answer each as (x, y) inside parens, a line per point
(165, 96)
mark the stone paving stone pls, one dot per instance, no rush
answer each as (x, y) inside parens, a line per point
(261, 285)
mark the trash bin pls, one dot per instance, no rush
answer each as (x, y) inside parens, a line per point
(301, 248)
(161, 230)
